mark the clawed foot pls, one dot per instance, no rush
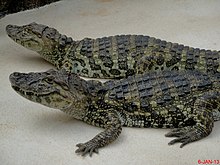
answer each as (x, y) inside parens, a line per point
(185, 136)
(86, 148)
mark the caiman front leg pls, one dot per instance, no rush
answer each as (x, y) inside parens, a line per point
(107, 119)
(203, 117)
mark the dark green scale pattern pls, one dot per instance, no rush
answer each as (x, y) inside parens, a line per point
(188, 101)
(104, 51)
(114, 56)
(156, 94)
(124, 55)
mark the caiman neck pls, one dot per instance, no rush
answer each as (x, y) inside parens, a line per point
(78, 109)
(56, 55)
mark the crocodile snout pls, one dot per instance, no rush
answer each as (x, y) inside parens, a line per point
(12, 30)
(9, 28)
(13, 77)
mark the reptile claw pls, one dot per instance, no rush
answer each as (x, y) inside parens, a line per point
(184, 136)
(85, 148)
(184, 140)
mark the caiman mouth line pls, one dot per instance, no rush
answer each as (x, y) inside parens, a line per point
(27, 93)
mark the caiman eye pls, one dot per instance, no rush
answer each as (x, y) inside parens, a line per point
(49, 80)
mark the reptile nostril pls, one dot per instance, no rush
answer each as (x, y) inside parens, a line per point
(16, 74)
(8, 27)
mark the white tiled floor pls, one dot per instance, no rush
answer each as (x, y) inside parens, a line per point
(33, 134)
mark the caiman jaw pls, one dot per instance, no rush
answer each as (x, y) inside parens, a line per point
(46, 41)
(49, 95)
(52, 99)
(28, 93)
(25, 37)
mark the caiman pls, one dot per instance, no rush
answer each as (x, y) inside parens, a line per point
(186, 101)
(112, 57)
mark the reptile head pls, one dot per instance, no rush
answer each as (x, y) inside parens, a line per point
(47, 41)
(55, 89)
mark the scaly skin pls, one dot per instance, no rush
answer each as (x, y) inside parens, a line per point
(188, 101)
(114, 56)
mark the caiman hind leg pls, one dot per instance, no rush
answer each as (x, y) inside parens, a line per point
(203, 117)
(107, 119)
